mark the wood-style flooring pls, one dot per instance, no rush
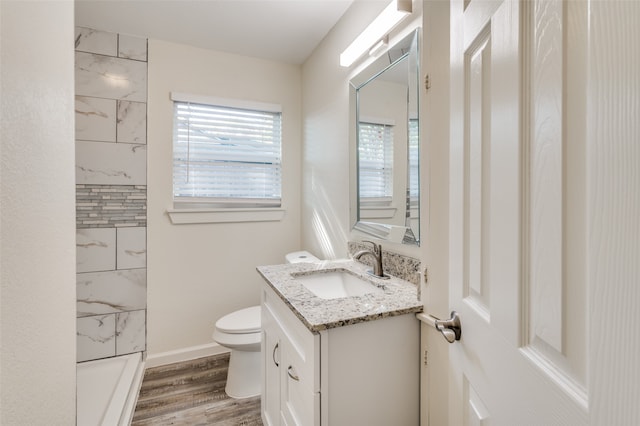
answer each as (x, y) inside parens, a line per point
(192, 393)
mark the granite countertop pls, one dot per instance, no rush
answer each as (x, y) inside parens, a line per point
(398, 297)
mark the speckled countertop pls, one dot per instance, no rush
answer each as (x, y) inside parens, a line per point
(398, 297)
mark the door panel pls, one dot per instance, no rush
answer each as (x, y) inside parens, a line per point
(545, 198)
(554, 294)
(475, 412)
(477, 80)
(513, 267)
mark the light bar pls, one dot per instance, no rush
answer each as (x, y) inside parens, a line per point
(395, 12)
(379, 47)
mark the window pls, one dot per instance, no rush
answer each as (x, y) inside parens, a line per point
(375, 151)
(226, 154)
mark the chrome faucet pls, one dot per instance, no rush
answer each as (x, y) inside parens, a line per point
(377, 256)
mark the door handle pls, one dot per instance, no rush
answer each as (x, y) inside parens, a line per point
(451, 329)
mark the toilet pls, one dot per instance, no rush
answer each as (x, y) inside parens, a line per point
(240, 332)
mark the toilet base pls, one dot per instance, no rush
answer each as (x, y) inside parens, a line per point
(243, 377)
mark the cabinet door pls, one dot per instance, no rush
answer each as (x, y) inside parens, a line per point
(271, 354)
(299, 404)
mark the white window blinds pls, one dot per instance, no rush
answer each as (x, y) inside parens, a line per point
(375, 160)
(226, 156)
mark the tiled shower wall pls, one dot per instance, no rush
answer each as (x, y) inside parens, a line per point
(111, 188)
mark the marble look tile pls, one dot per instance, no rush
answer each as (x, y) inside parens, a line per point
(95, 249)
(96, 337)
(113, 78)
(132, 248)
(110, 292)
(131, 47)
(103, 163)
(95, 119)
(94, 41)
(130, 332)
(132, 122)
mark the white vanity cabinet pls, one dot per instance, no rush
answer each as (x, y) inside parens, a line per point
(289, 394)
(360, 374)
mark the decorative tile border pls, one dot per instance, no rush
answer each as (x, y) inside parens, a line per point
(394, 264)
(109, 206)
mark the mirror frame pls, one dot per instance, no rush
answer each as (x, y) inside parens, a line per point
(407, 48)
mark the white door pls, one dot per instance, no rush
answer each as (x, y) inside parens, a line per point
(517, 214)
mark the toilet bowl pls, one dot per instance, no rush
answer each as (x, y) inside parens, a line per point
(240, 332)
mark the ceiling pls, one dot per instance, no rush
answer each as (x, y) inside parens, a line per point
(281, 30)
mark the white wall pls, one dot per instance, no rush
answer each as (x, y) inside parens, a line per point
(37, 213)
(326, 224)
(434, 226)
(198, 273)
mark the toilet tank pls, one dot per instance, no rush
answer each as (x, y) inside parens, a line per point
(301, 257)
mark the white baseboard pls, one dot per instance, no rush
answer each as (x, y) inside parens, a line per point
(186, 354)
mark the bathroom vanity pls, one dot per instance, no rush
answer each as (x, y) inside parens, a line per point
(338, 359)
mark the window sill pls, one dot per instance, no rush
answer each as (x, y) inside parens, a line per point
(193, 216)
(377, 212)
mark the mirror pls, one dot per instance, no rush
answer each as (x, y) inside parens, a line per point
(385, 148)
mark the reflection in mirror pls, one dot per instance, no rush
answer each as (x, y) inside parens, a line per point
(385, 130)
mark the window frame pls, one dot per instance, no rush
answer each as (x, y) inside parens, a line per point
(215, 209)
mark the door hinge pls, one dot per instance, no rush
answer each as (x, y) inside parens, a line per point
(426, 357)
(427, 82)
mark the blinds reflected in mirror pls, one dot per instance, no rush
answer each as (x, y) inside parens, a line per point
(375, 151)
(414, 161)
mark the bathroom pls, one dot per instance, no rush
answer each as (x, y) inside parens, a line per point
(213, 268)
(192, 278)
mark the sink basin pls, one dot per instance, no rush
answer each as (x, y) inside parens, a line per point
(337, 284)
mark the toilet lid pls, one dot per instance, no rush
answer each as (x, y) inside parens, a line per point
(240, 322)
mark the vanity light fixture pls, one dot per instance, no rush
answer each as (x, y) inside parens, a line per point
(379, 47)
(395, 12)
